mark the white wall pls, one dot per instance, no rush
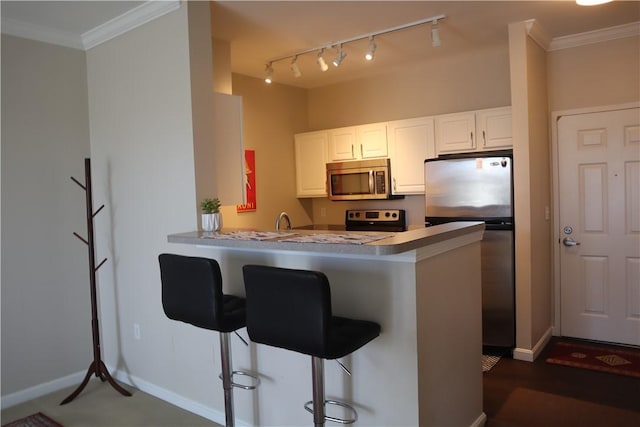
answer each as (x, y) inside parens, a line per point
(46, 319)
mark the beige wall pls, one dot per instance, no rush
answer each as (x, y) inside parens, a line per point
(540, 184)
(598, 74)
(46, 317)
(272, 115)
(470, 81)
(532, 191)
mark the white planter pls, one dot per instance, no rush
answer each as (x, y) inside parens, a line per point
(211, 222)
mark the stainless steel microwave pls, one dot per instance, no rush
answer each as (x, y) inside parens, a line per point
(359, 180)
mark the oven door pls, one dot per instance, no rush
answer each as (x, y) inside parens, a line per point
(358, 184)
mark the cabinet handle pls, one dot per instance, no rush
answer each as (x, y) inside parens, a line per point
(473, 143)
(352, 154)
(361, 152)
(484, 139)
(394, 185)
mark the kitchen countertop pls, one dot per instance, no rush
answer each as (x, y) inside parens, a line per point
(329, 241)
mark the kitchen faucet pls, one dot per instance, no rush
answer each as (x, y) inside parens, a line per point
(283, 215)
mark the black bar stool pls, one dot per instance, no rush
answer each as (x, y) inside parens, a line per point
(192, 293)
(291, 309)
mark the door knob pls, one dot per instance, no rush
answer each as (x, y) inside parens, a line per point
(568, 241)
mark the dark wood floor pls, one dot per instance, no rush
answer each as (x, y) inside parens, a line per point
(539, 394)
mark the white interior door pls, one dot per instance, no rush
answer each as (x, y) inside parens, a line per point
(599, 183)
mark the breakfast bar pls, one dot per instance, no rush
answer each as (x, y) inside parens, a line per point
(422, 286)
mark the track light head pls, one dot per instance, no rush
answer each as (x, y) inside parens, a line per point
(338, 59)
(268, 73)
(435, 35)
(371, 51)
(294, 67)
(321, 62)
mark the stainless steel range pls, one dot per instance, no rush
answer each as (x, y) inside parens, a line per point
(376, 220)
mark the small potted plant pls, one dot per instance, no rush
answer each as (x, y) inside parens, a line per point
(211, 218)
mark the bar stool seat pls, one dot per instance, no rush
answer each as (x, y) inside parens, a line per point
(291, 309)
(192, 293)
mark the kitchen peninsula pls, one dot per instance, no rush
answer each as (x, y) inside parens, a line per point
(422, 286)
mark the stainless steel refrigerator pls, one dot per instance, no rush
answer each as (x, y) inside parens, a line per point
(479, 187)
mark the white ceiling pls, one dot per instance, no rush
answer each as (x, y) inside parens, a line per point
(262, 30)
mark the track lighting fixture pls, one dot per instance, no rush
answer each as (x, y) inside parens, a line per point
(339, 57)
(341, 54)
(323, 65)
(435, 35)
(268, 73)
(371, 51)
(294, 67)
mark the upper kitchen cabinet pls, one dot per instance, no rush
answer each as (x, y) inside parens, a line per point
(411, 141)
(311, 150)
(473, 131)
(358, 142)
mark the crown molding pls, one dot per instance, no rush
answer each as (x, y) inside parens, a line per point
(538, 34)
(15, 27)
(134, 18)
(146, 12)
(597, 36)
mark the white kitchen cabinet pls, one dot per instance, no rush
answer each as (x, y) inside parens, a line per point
(358, 142)
(342, 143)
(494, 128)
(311, 150)
(471, 131)
(410, 141)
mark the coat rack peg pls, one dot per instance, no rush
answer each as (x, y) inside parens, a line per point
(100, 265)
(97, 367)
(78, 182)
(81, 238)
(99, 209)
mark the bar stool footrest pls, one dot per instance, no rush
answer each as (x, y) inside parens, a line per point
(334, 419)
(256, 380)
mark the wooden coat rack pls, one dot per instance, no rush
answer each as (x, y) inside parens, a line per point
(97, 367)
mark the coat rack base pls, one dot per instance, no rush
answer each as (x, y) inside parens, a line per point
(100, 371)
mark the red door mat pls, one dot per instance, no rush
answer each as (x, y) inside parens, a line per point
(35, 420)
(615, 360)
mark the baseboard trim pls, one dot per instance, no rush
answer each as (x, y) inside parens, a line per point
(176, 399)
(480, 421)
(531, 355)
(168, 396)
(39, 390)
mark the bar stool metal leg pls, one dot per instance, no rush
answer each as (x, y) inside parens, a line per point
(225, 357)
(317, 369)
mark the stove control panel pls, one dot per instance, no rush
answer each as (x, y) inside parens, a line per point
(376, 220)
(375, 215)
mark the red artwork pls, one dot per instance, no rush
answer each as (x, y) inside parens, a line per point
(250, 182)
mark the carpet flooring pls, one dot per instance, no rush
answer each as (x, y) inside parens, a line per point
(99, 405)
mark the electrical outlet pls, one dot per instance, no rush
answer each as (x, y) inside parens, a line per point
(136, 331)
(323, 211)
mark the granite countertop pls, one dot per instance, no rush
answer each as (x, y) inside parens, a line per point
(329, 241)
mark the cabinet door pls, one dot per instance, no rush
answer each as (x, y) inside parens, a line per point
(311, 159)
(455, 132)
(410, 143)
(342, 144)
(494, 128)
(371, 141)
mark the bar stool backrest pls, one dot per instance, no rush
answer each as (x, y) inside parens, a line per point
(192, 290)
(288, 308)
